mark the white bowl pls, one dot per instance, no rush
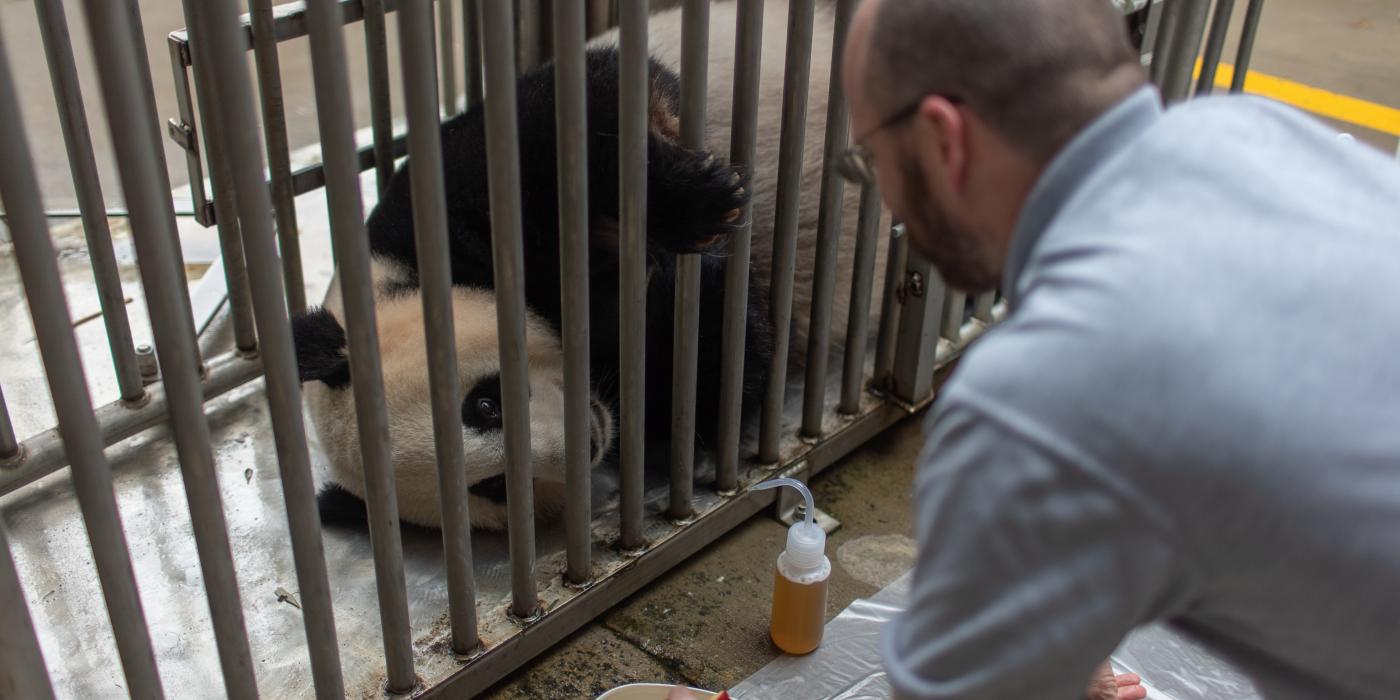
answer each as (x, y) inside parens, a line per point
(649, 691)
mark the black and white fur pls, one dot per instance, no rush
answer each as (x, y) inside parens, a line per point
(692, 201)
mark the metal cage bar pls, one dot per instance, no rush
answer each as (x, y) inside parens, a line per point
(447, 55)
(528, 29)
(471, 50)
(9, 445)
(1150, 31)
(131, 112)
(632, 153)
(278, 153)
(503, 164)
(891, 307)
(954, 302)
(23, 673)
(920, 324)
(72, 117)
(1253, 14)
(214, 23)
(830, 217)
(1215, 46)
(351, 249)
(240, 300)
(380, 109)
(797, 66)
(1185, 45)
(571, 124)
(862, 284)
(695, 47)
(435, 281)
(92, 475)
(982, 308)
(748, 54)
(1167, 20)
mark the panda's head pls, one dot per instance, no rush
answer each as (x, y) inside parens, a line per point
(323, 359)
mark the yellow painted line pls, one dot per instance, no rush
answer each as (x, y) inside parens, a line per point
(1351, 110)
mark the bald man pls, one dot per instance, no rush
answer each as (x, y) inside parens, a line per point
(1192, 411)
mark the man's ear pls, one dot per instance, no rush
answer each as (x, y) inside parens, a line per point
(321, 347)
(951, 129)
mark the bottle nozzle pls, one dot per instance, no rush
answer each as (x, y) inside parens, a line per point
(806, 542)
(806, 493)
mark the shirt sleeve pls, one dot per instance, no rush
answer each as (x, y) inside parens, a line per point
(1031, 567)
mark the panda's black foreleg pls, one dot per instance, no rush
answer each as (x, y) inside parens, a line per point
(694, 199)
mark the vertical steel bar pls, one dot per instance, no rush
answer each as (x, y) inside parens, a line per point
(435, 280)
(982, 311)
(793, 133)
(919, 326)
(278, 157)
(695, 47)
(748, 53)
(571, 126)
(954, 302)
(527, 18)
(891, 306)
(829, 219)
(72, 118)
(1149, 38)
(1162, 42)
(447, 56)
(216, 26)
(471, 50)
(632, 154)
(131, 113)
(1186, 38)
(240, 300)
(82, 441)
(380, 109)
(503, 162)
(1215, 45)
(352, 251)
(22, 669)
(600, 15)
(9, 445)
(1252, 15)
(862, 283)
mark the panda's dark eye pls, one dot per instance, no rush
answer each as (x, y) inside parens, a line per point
(481, 407)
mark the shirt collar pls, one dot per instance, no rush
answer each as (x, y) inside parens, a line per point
(1070, 168)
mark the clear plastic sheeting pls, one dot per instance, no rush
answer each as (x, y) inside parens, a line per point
(847, 665)
(1175, 668)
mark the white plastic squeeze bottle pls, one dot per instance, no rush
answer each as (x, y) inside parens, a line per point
(799, 583)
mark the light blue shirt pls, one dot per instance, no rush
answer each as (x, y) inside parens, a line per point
(1191, 414)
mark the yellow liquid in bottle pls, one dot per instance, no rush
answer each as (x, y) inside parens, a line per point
(799, 613)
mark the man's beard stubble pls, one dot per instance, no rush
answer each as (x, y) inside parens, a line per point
(954, 253)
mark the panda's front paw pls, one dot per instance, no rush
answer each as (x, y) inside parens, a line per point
(695, 200)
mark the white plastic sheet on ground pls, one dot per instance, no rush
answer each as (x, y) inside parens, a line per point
(847, 664)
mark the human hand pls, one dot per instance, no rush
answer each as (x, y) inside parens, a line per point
(1107, 686)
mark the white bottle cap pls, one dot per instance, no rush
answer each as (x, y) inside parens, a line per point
(806, 546)
(806, 541)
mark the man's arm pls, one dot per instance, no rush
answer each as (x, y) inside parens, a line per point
(1031, 568)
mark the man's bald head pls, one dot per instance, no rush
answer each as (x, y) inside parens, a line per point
(1037, 71)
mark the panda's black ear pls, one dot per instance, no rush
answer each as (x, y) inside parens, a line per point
(320, 343)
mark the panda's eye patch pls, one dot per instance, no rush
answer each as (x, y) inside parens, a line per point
(481, 408)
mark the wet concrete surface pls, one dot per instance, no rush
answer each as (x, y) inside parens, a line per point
(706, 622)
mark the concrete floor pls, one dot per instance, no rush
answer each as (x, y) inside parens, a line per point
(704, 623)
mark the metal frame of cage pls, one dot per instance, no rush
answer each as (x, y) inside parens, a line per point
(922, 328)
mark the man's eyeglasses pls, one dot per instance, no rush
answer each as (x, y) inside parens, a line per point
(855, 164)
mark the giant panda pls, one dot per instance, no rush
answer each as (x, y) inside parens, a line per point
(693, 202)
